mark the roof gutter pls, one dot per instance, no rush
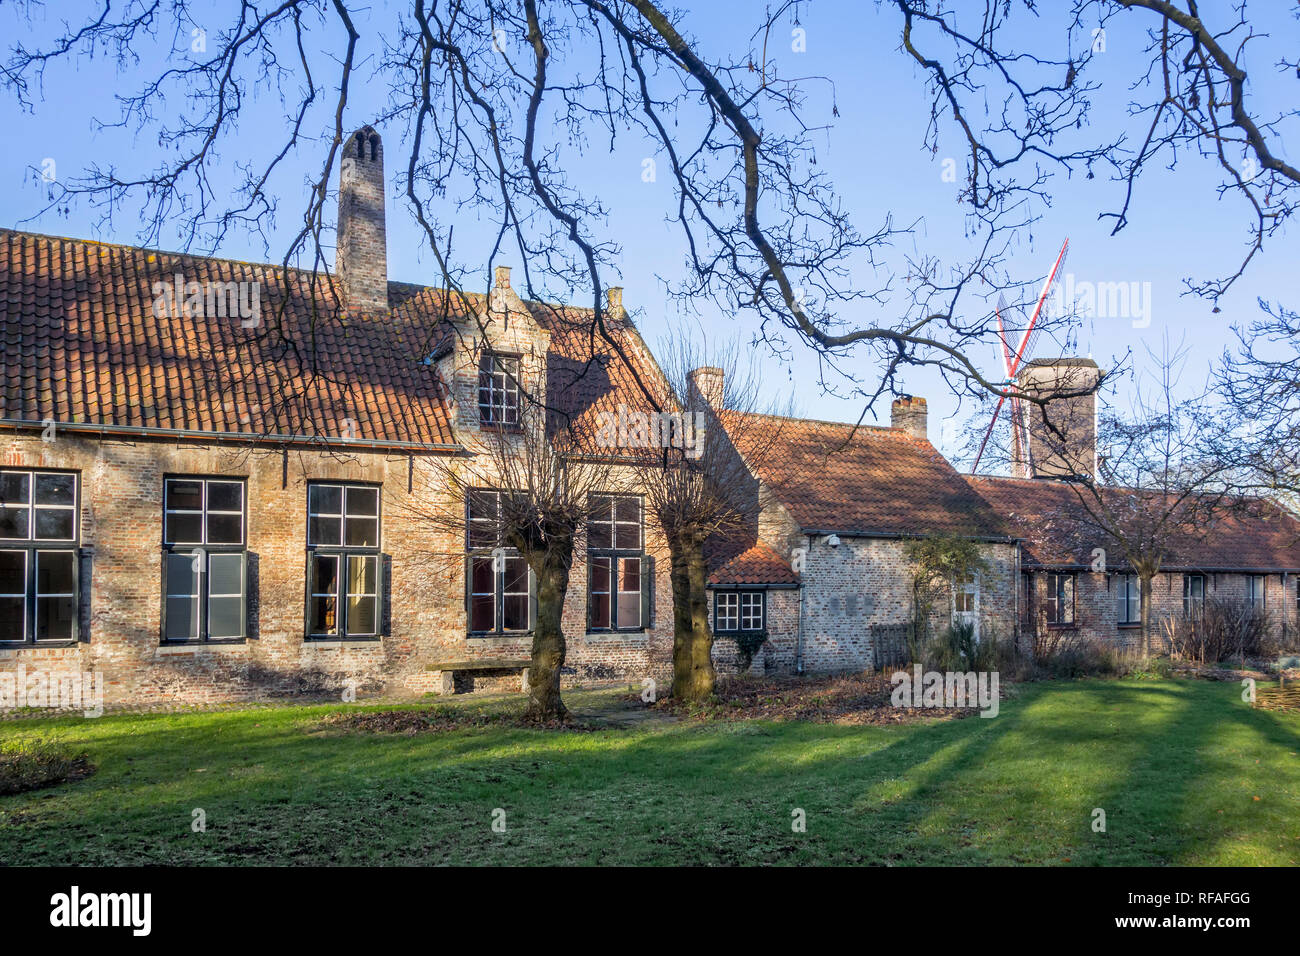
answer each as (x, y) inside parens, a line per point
(242, 438)
(898, 535)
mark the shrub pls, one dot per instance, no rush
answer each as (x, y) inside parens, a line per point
(30, 764)
(956, 648)
(1223, 630)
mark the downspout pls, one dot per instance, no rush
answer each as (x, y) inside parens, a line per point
(1015, 604)
(798, 631)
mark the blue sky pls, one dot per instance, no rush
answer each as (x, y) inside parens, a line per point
(872, 151)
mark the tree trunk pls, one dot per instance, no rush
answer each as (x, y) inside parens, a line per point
(552, 570)
(1144, 594)
(693, 675)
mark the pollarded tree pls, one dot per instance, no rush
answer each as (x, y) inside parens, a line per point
(522, 498)
(698, 487)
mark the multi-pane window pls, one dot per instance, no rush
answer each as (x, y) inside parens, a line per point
(619, 574)
(738, 611)
(205, 583)
(1255, 590)
(498, 389)
(501, 592)
(1193, 595)
(38, 556)
(343, 561)
(1128, 599)
(1060, 598)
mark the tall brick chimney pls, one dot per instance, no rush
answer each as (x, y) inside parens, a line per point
(709, 382)
(1066, 444)
(361, 258)
(909, 414)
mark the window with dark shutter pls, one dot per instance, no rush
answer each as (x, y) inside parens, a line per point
(619, 573)
(344, 593)
(39, 566)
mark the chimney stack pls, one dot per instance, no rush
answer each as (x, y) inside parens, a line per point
(1072, 452)
(909, 414)
(501, 277)
(361, 256)
(614, 301)
(708, 381)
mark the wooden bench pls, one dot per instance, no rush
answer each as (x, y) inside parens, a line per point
(446, 671)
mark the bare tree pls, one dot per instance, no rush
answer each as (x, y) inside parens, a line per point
(522, 498)
(1260, 389)
(700, 488)
(494, 97)
(1022, 114)
(1159, 482)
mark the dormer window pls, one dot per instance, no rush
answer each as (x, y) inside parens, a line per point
(498, 390)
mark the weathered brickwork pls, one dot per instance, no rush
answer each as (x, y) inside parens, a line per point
(1096, 609)
(121, 540)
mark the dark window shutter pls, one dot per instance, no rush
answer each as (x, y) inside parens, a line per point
(252, 606)
(385, 595)
(532, 600)
(647, 592)
(469, 618)
(587, 611)
(85, 564)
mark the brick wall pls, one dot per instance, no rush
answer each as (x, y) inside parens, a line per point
(1097, 607)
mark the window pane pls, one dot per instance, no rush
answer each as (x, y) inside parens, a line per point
(516, 576)
(14, 487)
(600, 536)
(54, 618)
(628, 509)
(629, 609)
(12, 610)
(56, 489)
(182, 618)
(327, 531)
(184, 495)
(55, 524)
(631, 580)
(363, 532)
(361, 615)
(323, 614)
(13, 522)
(225, 496)
(325, 499)
(225, 616)
(482, 612)
(226, 574)
(13, 572)
(54, 572)
(363, 501)
(184, 528)
(600, 610)
(600, 574)
(627, 537)
(182, 577)
(515, 612)
(362, 571)
(225, 529)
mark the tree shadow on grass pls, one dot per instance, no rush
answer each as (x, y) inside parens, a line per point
(1016, 788)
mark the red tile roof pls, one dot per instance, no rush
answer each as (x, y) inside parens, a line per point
(1053, 524)
(83, 345)
(757, 565)
(861, 480)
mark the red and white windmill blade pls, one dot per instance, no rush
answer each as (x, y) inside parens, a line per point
(1012, 361)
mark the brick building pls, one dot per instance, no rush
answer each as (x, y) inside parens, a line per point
(214, 477)
(207, 497)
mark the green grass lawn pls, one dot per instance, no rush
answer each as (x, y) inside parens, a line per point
(1185, 772)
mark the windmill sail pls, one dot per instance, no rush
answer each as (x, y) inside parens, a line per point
(1012, 362)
